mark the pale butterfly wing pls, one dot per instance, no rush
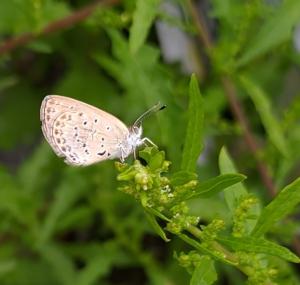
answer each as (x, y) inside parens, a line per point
(81, 133)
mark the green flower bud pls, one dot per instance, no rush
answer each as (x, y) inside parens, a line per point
(174, 227)
(141, 178)
(184, 260)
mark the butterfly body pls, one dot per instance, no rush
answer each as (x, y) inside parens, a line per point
(84, 134)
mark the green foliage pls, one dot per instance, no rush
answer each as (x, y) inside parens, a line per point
(178, 217)
(259, 245)
(29, 15)
(162, 199)
(204, 273)
(244, 209)
(152, 220)
(264, 109)
(283, 204)
(233, 194)
(193, 142)
(274, 31)
(143, 17)
(214, 185)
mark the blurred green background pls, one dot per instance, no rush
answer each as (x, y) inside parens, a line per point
(66, 225)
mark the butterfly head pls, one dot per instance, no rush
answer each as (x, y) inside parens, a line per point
(132, 141)
(135, 136)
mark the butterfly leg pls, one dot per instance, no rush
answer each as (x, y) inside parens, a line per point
(147, 140)
(122, 158)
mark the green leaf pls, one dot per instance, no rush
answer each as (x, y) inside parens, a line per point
(233, 193)
(10, 198)
(99, 259)
(259, 245)
(95, 268)
(27, 16)
(276, 30)
(153, 157)
(214, 185)
(70, 190)
(59, 262)
(264, 108)
(21, 270)
(204, 273)
(147, 152)
(157, 214)
(78, 218)
(38, 165)
(143, 17)
(14, 202)
(193, 141)
(157, 160)
(280, 207)
(152, 220)
(182, 177)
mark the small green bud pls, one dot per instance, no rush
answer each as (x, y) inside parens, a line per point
(193, 220)
(141, 178)
(125, 17)
(165, 165)
(174, 227)
(164, 181)
(144, 200)
(243, 212)
(191, 184)
(210, 232)
(126, 189)
(184, 260)
(272, 272)
(181, 208)
(164, 199)
(127, 173)
(120, 166)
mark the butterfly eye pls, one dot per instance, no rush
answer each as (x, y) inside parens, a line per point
(136, 130)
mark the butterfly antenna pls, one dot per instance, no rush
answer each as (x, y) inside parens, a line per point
(157, 107)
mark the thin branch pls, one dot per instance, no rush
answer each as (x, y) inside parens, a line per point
(234, 103)
(201, 26)
(68, 21)
(238, 111)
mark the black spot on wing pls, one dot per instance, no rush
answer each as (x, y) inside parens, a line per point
(101, 153)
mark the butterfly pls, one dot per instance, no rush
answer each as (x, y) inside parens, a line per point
(84, 134)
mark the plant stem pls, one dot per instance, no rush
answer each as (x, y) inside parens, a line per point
(234, 103)
(231, 257)
(69, 21)
(196, 232)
